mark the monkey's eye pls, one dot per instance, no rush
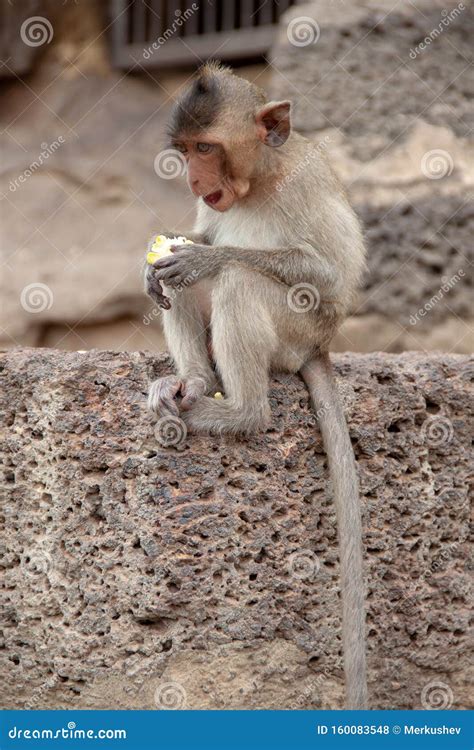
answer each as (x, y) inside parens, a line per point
(204, 148)
(180, 147)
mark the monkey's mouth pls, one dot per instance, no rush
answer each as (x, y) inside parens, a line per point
(213, 198)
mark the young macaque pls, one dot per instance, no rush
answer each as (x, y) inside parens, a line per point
(277, 258)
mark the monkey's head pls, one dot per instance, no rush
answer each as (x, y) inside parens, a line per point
(220, 124)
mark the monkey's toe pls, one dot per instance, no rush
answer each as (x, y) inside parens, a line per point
(192, 390)
(162, 396)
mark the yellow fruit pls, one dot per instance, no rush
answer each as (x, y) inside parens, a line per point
(161, 247)
(218, 395)
(153, 255)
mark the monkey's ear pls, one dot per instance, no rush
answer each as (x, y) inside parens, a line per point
(273, 123)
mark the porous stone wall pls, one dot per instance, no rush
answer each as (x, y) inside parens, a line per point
(395, 120)
(138, 576)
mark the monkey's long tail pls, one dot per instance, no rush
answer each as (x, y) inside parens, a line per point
(319, 377)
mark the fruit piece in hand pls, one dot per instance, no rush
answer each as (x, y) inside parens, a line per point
(161, 247)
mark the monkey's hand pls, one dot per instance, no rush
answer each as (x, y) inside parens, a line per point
(163, 394)
(186, 265)
(154, 289)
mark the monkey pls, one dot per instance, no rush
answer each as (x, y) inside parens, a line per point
(277, 260)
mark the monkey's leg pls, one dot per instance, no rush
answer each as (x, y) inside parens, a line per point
(243, 341)
(186, 335)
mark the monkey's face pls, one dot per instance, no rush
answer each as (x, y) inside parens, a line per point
(220, 169)
(220, 124)
(211, 175)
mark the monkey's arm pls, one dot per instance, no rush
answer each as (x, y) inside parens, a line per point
(289, 266)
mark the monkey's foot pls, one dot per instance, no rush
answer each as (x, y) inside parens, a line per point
(220, 416)
(163, 394)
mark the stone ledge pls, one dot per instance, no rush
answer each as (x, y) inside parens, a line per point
(127, 565)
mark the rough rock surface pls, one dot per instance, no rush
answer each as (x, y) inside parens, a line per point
(364, 48)
(398, 129)
(141, 576)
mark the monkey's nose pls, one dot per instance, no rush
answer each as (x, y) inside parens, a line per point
(194, 185)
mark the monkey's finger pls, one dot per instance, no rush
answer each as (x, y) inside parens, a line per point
(169, 275)
(189, 400)
(191, 391)
(168, 260)
(154, 286)
(155, 291)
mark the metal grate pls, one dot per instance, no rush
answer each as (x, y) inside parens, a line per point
(16, 56)
(160, 33)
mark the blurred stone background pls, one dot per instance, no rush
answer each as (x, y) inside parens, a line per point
(395, 119)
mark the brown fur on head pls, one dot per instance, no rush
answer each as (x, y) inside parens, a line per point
(220, 122)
